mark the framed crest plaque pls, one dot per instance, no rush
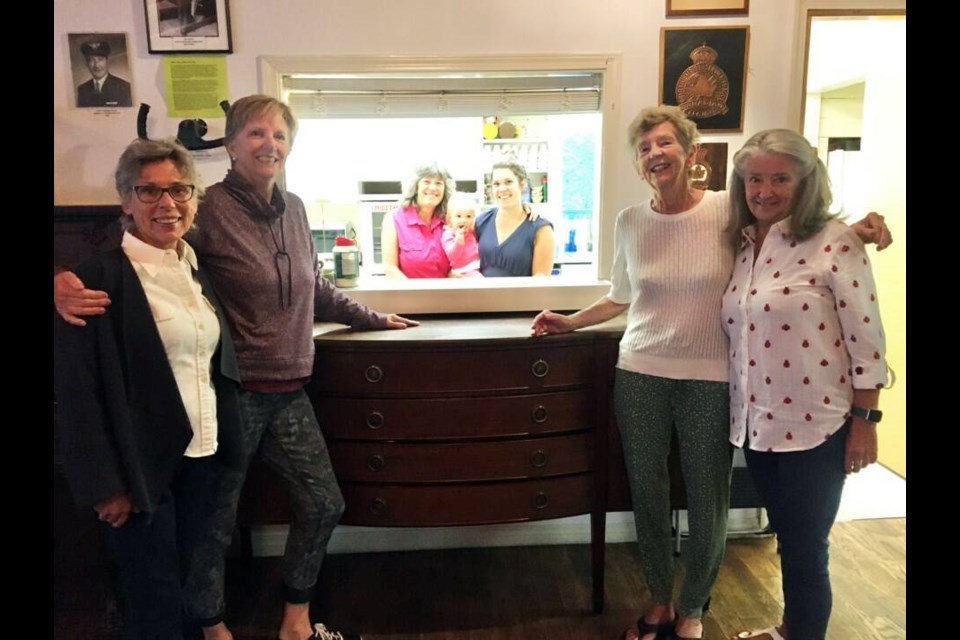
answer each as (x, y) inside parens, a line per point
(704, 72)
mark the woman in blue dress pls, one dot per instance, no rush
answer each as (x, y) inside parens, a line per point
(513, 242)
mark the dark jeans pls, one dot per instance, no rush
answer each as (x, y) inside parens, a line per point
(155, 552)
(801, 491)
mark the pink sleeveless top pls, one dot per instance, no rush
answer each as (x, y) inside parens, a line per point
(421, 253)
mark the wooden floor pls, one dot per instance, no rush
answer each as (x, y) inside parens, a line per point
(514, 593)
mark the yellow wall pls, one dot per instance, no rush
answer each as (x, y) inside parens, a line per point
(885, 147)
(875, 110)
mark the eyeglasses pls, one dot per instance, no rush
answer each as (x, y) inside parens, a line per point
(149, 194)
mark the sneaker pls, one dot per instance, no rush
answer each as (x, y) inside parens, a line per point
(320, 632)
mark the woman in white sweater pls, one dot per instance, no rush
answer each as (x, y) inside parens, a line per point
(671, 266)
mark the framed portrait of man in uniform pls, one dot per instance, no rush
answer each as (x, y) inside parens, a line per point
(101, 70)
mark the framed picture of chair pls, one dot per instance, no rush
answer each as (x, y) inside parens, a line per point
(188, 26)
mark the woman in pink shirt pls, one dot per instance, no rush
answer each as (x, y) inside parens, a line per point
(806, 360)
(411, 234)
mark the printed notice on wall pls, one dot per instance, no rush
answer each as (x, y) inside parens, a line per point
(195, 85)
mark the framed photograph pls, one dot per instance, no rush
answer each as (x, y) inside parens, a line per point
(704, 72)
(101, 70)
(188, 26)
(679, 8)
(709, 168)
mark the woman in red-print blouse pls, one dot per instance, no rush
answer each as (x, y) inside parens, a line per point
(806, 360)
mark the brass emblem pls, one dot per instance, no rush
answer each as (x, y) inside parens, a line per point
(700, 170)
(703, 88)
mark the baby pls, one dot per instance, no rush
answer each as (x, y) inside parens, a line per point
(460, 238)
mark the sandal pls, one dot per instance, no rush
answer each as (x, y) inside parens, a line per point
(663, 631)
(764, 634)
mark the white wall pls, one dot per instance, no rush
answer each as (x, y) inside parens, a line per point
(86, 144)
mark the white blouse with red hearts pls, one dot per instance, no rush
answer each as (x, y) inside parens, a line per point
(805, 331)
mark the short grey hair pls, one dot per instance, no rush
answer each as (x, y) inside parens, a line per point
(646, 120)
(812, 199)
(142, 152)
(430, 170)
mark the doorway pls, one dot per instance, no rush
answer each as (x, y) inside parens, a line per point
(854, 112)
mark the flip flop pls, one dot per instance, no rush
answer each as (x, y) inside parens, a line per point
(771, 634)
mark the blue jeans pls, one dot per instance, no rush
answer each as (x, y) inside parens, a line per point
(801, 491)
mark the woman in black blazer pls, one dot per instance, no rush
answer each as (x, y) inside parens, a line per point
(147, 394)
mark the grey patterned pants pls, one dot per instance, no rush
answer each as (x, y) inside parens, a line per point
(647, 408)
(283, 429)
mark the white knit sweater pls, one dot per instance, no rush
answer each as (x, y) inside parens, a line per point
(673, 270)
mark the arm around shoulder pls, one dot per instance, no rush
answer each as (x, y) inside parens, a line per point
(72, 299)
(543, 248)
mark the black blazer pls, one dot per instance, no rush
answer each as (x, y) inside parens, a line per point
(114, 93)
(123, 426)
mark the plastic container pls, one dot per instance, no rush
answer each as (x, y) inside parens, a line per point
(346, 262)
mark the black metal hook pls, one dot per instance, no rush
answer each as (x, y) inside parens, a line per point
(190, 132)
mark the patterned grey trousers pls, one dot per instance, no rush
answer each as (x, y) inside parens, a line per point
(283, 429)
(647, 408)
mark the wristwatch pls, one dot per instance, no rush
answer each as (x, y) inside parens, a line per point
(870, 415)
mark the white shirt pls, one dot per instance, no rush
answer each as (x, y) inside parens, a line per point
(188, 328)
(805, 331)
(672, 271)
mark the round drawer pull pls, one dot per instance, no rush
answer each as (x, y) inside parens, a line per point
(539, 501)
(538, 459)
(375, 420)
(375, 462)
(539, 414)
(373, 373)
(378, 506)
(540, 368)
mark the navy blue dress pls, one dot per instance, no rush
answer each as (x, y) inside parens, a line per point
(512, 258)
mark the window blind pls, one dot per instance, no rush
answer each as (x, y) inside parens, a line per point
(438, 95)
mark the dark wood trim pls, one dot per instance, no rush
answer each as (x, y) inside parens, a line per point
(86, 212)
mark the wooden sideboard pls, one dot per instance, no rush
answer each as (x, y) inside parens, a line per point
(461, 422)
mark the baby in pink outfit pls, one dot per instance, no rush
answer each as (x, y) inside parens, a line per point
(460, 238)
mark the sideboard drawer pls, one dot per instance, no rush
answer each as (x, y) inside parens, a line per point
(531, 365)
(454, 418)
(461, 462)
(488, 503)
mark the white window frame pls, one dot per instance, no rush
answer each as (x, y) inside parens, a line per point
(520, 294)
